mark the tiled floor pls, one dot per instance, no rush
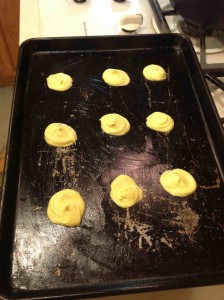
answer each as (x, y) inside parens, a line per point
(6, 94)
(203, 293)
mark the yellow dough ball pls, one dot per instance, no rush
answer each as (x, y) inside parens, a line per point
(115, 124)
(125, 192)
(66, 208)
(60, 135)
(59, 82)
(116, 77)
(178, 182)
(160, 122)
(154, 73)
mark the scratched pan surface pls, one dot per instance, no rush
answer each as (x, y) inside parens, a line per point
(161, 242)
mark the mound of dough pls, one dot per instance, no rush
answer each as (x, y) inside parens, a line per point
(59, 82)
(115, 124)
(160, 122)
(66, 208)
(178, 182)
(116, 77)
(154, 73)
(125, 192)
(60, 135)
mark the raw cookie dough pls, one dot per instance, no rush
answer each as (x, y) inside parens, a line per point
(160, 122)
(115, 124)
(66, 208)
(59, 82)
(60, 135)
(178, 182)
(116, 77)
(154, 73)
(125, 192)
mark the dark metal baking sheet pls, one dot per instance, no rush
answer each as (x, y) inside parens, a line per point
(162, 242)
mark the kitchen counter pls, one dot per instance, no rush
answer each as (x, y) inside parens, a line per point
(30, 28)
(29, 20)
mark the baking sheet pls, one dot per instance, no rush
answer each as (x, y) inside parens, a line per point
(163, 241)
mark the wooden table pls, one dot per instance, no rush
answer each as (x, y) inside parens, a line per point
(9, 40)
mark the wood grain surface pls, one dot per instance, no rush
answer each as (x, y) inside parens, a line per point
(9, 40)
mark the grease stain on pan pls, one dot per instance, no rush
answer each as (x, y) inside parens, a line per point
(130, 225)
(188, 220)
(66, 157)
(166, 242)
(60, 163)
(184, 220)
(182, 224)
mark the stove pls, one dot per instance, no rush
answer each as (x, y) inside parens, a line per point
(103, 17)
(91, 18)
(208, 44)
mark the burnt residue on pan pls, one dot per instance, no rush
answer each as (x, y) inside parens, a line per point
(160, 236)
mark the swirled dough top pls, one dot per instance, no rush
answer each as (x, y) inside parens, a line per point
(66, 208)
(160, 122)
(178, 182)
(59, 82)
(60, 135)
(154, 73)
(115, 124)
(116, 77)
(125, 192)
